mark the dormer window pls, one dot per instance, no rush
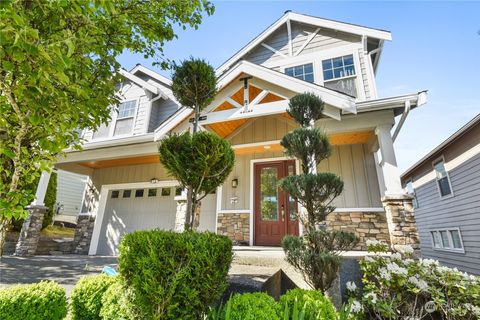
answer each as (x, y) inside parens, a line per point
(302, 72)
(125, 118)
(339, 74)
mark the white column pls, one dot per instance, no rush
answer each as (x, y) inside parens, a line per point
(388, 162)
(41, 189)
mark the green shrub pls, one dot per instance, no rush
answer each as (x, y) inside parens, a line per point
(175, 275)
(251, 306)
(86, 299)
(312, 303)
(117, 303)
(43, 300)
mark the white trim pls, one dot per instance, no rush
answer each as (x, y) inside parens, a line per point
(85, 189)
(145, 85)
(218, 208)
(171, 122)
(319, 22)
(307, 41)
(234, 103)
(152, 74)
(290, 42)
(235, 211)
(373, 209)
(105, 189)
(275, 51)
(255, 144)
(435, 161)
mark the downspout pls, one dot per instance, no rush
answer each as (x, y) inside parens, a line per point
(402, 120)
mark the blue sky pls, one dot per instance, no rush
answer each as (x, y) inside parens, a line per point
(436, 46)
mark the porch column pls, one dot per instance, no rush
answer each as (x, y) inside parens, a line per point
(398, 206)
(30, 234)
(181, 212)
(388, 161)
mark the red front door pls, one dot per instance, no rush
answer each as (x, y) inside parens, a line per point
(274, 209)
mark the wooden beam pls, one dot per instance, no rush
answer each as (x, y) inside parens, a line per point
(307, 41)
(290, 42)
(273, 50)
(259, 98)
(350, 138)
(234, 103)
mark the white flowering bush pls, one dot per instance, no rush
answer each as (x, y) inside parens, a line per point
(399, 287)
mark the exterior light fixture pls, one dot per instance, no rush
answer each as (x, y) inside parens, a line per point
(235, 183)
(153, 180)
(267, 147)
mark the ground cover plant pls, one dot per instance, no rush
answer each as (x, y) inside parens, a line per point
(399, 287)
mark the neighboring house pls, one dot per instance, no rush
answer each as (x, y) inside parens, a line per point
(445, 185)
(70, 192)
(128, 187)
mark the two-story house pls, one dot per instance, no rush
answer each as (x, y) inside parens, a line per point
(130, 190)
(445, 185)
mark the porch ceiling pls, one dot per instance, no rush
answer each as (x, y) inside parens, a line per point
(121, 162)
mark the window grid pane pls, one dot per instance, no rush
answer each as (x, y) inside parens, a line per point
(338, 67)
(445, 241)
(457, 242)
(442, 178)
(126, 109)
(302, 72)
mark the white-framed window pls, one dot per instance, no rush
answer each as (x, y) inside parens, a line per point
(302, 72)
(339, 74)
(125, 118)
(411, 191)
(443, 180)
(447, 239)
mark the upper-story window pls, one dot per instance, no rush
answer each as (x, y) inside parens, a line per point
(443, 180)
(125, 117)
(339, 74)
(411, 192)
(303, 72)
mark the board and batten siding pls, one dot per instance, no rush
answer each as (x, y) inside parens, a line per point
(70, 189)
(263, 129)
(129, 174)
(460, 211)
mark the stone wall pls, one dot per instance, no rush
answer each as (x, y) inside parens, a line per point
(30, 234)
(236, 226)
(366, 225)
(401, 221)
(83, 234)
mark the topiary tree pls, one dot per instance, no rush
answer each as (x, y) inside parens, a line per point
(317, 253)
(200, 162)
(194, 85)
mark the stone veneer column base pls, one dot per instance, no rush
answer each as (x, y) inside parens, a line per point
(235, 226)
(401, 221)
(30, 234)
(83, 233)
(366, 225)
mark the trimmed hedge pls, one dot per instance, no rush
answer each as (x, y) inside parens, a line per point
(175, 275)
(252, 306)
(117, 303)
(314, 303)
(39, 301)
(86, 299)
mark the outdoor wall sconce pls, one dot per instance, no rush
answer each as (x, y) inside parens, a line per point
(235, 183)
(153, 180)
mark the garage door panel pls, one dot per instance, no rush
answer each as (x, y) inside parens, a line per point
(125, 215)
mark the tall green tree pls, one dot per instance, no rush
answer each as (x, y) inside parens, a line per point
(58, 72)
(317, 253)
(200, 162)
(194, 85)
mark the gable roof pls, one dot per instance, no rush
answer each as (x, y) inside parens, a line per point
(155, 75)
(311, 20)
(454, 137)
(337, 99)
(155, 89)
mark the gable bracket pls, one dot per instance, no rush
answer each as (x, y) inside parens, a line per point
(290, 42)
(273, 50)
(307, 41)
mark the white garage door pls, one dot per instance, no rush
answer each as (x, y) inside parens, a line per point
(140, 209)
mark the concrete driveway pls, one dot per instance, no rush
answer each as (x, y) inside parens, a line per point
(65, 269)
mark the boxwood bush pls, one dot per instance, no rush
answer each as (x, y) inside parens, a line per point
(86, 298)
(39, 301)
(251, 306)
(313, 304)
(175, 275)
(117, 303)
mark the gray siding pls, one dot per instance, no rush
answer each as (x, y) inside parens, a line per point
(325, 39)
(460, 211)
(70, 189)
(161, 110)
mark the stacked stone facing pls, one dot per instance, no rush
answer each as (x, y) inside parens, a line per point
(235, 226)
(83, 233)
